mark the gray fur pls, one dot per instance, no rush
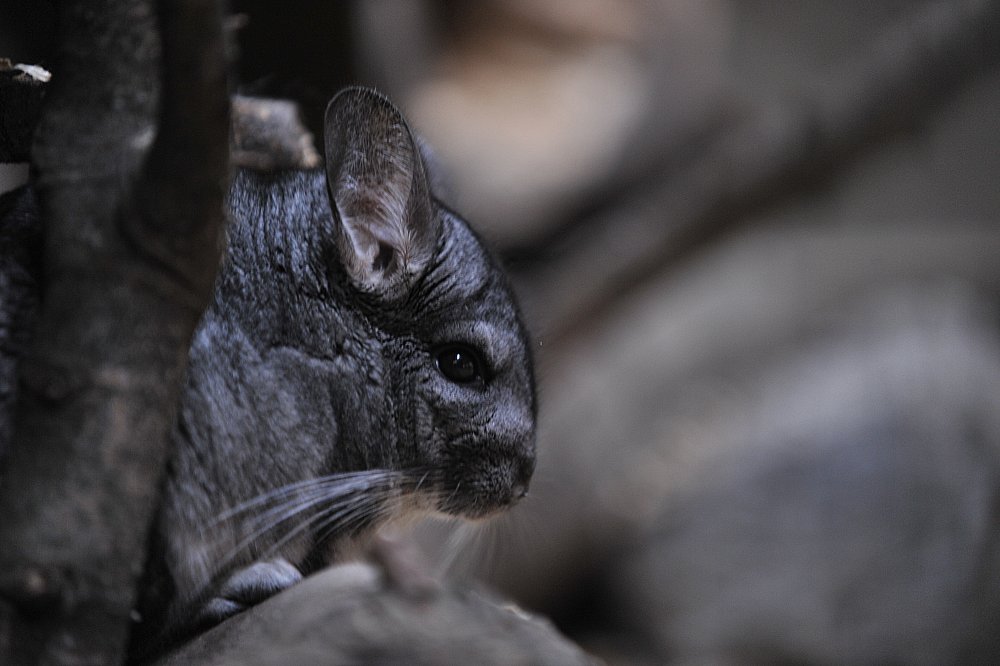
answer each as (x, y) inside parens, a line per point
(316, 359)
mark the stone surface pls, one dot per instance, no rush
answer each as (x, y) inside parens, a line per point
(346, 615)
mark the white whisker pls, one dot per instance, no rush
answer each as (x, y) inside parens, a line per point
(458, 538)
(323, 505)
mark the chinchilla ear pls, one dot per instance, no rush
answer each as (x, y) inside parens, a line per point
(387, 230)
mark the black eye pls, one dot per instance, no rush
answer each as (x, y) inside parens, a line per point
(460, 364)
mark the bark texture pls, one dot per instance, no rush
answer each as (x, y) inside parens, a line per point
(131, 165)
(21, 93)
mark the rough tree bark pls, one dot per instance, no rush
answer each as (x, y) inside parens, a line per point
(132, 228)
(21, 92)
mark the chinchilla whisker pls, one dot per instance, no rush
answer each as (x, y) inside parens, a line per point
(262, 523)
(491, 547)
(463, 539)
(344, 521)
(331, 488)
(344, 514)
(264, 498)
(282, 492)
(307, 524)
(421, 481)
(454, 492)
(340, 484)
(373, 510)
(281, 513)
(330, 493)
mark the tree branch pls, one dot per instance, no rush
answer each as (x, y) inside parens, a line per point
(186, 176)
(127, 269)
(21, 91)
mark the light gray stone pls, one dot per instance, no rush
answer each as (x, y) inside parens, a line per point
(346, 615)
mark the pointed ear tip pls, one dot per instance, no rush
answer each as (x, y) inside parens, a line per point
(357, 97)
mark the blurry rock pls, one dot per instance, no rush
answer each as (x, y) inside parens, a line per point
(539, 108)
(847, 511)
(346, 615)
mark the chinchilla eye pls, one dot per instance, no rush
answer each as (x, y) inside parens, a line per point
(460, 364)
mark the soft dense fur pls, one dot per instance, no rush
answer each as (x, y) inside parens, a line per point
(345, 300)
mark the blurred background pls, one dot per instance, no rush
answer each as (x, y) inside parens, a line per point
(757, 243)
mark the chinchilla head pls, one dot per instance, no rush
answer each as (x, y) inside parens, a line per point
(359, 324)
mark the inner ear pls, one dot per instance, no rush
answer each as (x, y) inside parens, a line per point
(383, 258)
(386, 227)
